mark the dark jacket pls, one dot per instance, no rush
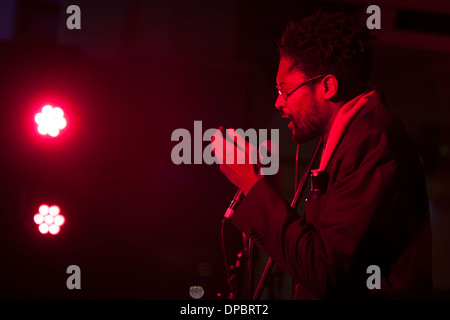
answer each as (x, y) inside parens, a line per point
(374, 212)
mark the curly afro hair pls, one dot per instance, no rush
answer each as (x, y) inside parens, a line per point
(330, 43)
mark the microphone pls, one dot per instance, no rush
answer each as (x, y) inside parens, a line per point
(234, 204)
(266, 150)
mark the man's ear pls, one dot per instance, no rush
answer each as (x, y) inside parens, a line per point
(330, 85)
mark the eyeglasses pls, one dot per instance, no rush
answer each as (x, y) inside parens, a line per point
(286, 95)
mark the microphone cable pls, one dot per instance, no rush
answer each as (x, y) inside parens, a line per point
(224, 220)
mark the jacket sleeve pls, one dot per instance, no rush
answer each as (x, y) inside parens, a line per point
(318, 255)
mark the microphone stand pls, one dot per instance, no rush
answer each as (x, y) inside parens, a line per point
(294, 204)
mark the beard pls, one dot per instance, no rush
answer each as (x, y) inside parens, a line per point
(308, 125)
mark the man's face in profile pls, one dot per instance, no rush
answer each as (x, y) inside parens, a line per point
(307, 116)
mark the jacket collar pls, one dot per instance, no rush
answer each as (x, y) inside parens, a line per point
(360, 106)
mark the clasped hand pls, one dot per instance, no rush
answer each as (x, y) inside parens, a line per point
(238, 159)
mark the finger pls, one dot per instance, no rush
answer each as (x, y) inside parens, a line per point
(232, 134)
(247, 147)
(217, 145)
(223, 150)
(232, 153)
(218, 131)
(226, 151)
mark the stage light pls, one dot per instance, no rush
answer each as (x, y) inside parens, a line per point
(38, 218)
(43, 228)
(50, 120)
(49, 219)
(59, 220)
(53, 229)
(54, 211)
(43, 209)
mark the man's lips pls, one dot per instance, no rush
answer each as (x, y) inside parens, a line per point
(285, 116)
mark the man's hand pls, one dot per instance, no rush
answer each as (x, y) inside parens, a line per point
(243, 175)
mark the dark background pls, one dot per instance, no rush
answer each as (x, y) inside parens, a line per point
(139, 226)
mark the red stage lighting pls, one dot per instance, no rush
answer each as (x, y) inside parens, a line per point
(49, 219)
(50, 120)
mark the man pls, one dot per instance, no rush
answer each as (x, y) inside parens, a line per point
(373, 208)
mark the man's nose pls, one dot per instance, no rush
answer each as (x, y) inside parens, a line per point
(280, 102)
